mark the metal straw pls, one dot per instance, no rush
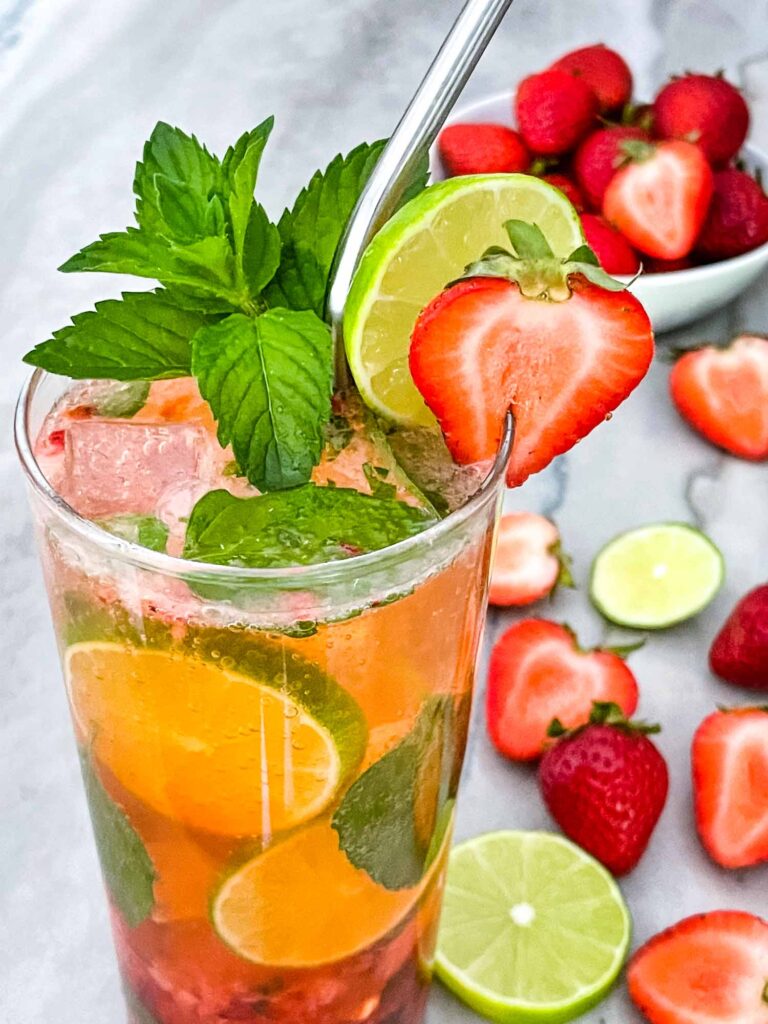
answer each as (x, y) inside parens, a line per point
(418, 127)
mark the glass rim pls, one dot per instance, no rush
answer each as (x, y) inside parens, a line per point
(171, 565)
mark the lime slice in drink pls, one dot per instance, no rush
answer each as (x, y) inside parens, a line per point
(427, 244)
(656, 576)
(533, 929)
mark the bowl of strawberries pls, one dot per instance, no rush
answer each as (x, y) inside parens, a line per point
(670, 194)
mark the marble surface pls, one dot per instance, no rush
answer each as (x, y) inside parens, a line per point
(82, 83)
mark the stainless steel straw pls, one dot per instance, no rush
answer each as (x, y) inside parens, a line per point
(426, 113)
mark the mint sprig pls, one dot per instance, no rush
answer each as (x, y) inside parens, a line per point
(241, 302)
(268, 380)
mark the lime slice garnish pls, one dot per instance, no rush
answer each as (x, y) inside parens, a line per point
(656, 576)
(533, 928)
(426, 245)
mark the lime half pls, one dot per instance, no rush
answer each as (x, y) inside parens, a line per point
(656, 576)
(533, 928)
(426, 245)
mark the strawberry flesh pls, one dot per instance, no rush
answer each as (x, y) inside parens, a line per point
(730, 786)
(538, 673)
(526, 566)
(707, 969)
(481, 348)
(739, 653)
(606, 788)
(723, 394)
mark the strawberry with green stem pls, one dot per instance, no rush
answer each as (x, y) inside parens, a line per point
(558, 343)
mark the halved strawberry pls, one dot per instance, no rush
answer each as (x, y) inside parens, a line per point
(708, 969)
(528, 562)
(730, 786)
(535, 336)
(659, 200)
(723, 393)
(538, 673)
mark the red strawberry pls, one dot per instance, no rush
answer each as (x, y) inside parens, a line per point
(723, 393)
(704, 109)
(739, 653)
(528, 562)
(538, 673)
(482, 149)
(738, 217)
(660, 199)
(653, 266)
(730, 786)
(708, 969)
(568, 187)
(604, 71)
(615, 253)
(606, 785)
(538, 338)
(599, 157)
(554, 111)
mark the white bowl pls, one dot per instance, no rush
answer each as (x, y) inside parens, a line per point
(672, 298)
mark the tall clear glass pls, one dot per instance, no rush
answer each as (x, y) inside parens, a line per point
(270, 757)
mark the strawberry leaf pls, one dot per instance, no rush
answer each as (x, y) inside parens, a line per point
(528, 240)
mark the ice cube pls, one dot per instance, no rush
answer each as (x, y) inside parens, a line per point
(114, 467)
(425, 458)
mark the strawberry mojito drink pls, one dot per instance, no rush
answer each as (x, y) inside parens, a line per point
(269, 594)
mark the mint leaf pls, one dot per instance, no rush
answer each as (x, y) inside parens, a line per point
(311, 229)
(128, 871)
(139, 337)
(268, 381)
(392, 817)
(173, 157)
(118, 401)
(303, 526)
(148, 531)
(376, 477)
(240, 170)
(261, 250)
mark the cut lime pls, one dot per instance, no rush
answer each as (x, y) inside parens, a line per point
(533, 929)
(656, 576)
(417, 253)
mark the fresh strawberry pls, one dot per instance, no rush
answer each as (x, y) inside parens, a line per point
(482, 149)
(599, 157)
(528, 562)
(708, 969)
(704, 109)
(654, 266)
(730, 785)
(615, 253)
(660, 199)
(538, 673)
(738, 217)
(538, 338)
(739, 653)
(554, 111)
(604, 71)
(723, 393)
(606, 785)
(568, 187)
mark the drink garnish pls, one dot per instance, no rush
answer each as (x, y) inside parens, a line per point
(241, 302)
(149, 531)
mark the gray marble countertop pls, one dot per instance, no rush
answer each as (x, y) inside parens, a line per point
(82, 84)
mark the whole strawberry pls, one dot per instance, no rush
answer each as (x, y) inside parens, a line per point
(554, 111)
(599, 157)
(737, 220)
(568, 187)
(615, 253)
(604, 70)
(606, 784)
(739, 653)
(482, 149)
(704, 109)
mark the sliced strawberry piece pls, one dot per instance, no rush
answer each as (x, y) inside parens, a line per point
(739, 652)
(538, 673)
(527, 563)
(482, 348)
(708, 969)
(659, 200)
(723, 393)
(482, 149)
(730, 786)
